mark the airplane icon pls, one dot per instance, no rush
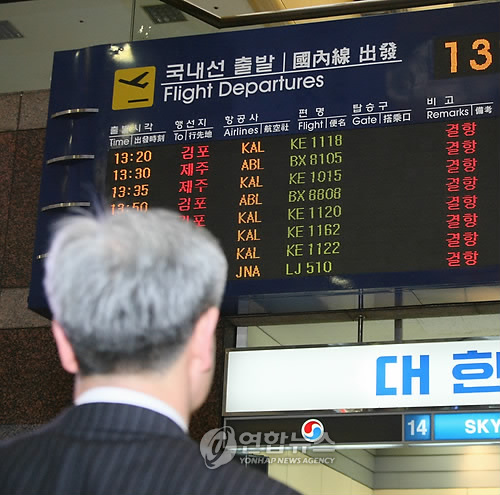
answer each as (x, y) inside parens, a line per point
(135, 82)
(133, 87)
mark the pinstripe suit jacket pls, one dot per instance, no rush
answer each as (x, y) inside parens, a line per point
(108, 449)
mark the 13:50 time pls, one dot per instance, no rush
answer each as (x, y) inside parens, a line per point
(123, 191)
(120, 207)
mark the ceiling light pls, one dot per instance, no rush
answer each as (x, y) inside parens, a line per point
(8, 31)
(163, 14)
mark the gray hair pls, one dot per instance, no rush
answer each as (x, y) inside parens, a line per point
(128, 288)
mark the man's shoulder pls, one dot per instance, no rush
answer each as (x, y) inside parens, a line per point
(19, 439)
(249, 480)
(168, 458)
(228, 477)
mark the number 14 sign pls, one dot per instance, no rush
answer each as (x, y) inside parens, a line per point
(452, 426)
(417, 427)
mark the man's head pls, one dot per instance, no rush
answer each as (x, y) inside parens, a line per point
(128, 290)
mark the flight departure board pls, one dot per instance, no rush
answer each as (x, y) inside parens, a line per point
(354, 153)
(330, 203)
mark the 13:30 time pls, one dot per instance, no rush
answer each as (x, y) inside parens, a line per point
(138, 173)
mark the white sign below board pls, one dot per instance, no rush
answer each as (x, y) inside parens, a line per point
(465, 373)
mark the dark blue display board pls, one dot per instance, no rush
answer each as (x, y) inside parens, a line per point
(357, 153)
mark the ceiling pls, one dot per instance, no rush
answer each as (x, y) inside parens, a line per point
(423, 314)
(53, 25)
(47, 26)
(383, 331)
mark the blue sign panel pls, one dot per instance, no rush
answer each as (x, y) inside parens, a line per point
(348, 154)
(467, 426)
(417, 427)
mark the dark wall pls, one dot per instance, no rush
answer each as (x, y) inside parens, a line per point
(33, 386)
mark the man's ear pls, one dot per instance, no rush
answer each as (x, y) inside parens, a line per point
(203, 341)
(66, 353)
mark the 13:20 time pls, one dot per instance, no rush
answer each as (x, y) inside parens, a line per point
(139, 156)
(136, 190)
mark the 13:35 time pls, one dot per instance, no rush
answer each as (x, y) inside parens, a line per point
(124, 191)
